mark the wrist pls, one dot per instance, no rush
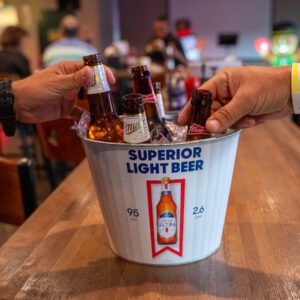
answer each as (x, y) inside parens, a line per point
(295, 87)
(15, 91)
(7, 114)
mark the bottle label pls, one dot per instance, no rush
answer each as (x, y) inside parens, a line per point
(136, 128)
(99, 82)
(149, 98)
(166, 225)
(197, 129)
(160, 105)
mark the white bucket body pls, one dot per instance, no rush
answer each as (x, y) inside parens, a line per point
(128, 185)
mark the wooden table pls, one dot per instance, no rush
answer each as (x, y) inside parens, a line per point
(62, 250)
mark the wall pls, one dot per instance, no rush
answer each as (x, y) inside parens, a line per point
(136, 18)
(251, 19)
(89, 15)
(287, 11)
(28, 15)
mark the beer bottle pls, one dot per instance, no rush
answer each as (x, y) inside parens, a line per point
(104, 123)
(166, 215)
(159, 100)
(136, 128)
(201, 104)
(142, 85)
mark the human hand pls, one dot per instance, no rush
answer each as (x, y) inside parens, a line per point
(243, 97)
(51, 93)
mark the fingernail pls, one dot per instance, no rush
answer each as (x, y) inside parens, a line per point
(213, 125)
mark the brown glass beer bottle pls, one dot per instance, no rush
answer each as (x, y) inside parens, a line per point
(104, 123)
(142, 85)
(136, 128)
(201, 105)
(166, 215)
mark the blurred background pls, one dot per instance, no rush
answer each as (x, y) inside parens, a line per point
(185, 42)
(106, 21)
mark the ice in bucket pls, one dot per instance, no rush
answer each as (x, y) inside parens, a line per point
(129, 181)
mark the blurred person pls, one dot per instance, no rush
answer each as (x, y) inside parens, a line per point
(12, 60)
(282, 49)
(14, 64)
(70, 47)
(87, 34)
(162, 41)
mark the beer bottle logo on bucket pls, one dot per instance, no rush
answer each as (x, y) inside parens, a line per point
(166, 215)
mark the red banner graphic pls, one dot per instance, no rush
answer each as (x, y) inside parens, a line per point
(176, 248)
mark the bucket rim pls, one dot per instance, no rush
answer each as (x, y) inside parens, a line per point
(171, 144)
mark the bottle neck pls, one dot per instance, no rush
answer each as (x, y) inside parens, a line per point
(99, 82)
(200, 114)
(165, 189)
(99, 95)
(101, 104)
(143, 86)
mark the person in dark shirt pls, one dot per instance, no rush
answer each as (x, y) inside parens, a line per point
(12, 60)
(163, 42)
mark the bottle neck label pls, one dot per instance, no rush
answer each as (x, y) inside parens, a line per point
(136, 128)
(160, 105)
(149, 98)
(197, 129)
(165, 188)
(99, 82)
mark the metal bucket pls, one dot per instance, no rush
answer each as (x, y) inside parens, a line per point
(128, 183)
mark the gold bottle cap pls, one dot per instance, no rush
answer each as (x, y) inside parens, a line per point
(165, 180)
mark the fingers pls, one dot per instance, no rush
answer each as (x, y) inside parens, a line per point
(227, 116)
(69, 67)
(76, 80)
(109, 74)
(216, 85)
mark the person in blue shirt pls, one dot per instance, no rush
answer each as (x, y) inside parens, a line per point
(70, 47)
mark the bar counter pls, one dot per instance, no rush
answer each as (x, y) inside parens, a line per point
(62, 250)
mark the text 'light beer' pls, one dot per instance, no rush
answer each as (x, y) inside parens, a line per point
(166, 215)
(201, 106)
(104, 123)
(136, 129)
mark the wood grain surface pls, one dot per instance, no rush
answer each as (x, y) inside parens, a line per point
(62, 251)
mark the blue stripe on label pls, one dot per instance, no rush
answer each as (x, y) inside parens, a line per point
(166, 215)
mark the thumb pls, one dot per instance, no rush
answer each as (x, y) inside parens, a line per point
(227, 116)
(77, 79)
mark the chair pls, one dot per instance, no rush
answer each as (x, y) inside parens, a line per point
(59, 144)
(18, 198)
